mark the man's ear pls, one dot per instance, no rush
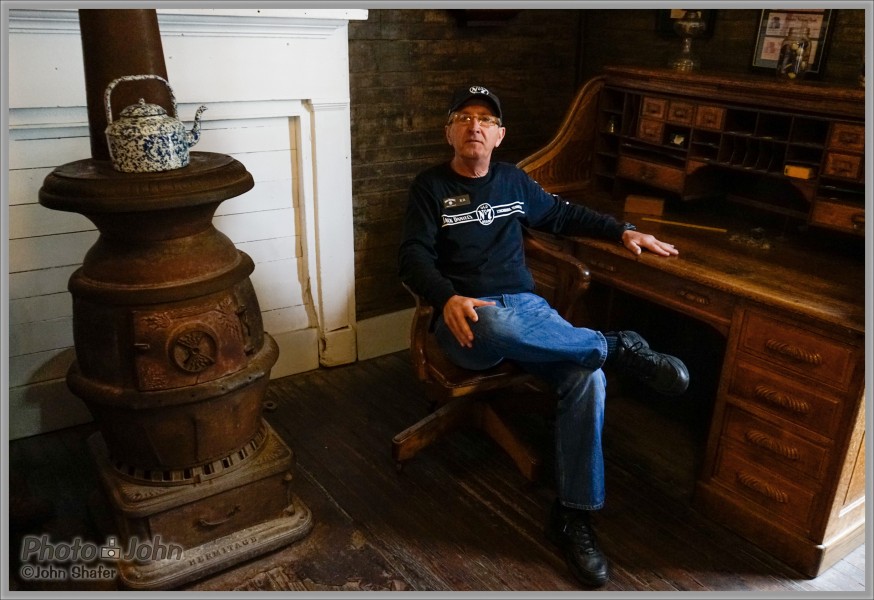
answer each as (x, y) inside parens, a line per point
(501, 133)
(446, 131)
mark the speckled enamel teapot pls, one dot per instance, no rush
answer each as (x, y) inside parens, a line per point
(145, 138)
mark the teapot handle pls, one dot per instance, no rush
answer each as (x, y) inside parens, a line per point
(114, 82)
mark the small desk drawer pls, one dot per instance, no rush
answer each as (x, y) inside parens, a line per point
(798, 350)
(764, 489)
(847, 136)
(848, 166)
(650, 130)
(653, 107)
(660, 176)
(680, 113)
(765, 443)
(783, 398)
(710, 117)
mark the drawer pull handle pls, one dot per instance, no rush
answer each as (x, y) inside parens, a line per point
(858, 221)
(774, 397)
(215, 523)
(849, 138)
(763, 440)
(604, 266)
(765, 489)
(793, 352)
(693, 297)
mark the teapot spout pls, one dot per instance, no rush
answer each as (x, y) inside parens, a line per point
(193, 136)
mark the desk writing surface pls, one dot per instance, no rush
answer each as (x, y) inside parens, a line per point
(789, 273)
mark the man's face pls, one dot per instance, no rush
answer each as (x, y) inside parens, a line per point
(472, 140)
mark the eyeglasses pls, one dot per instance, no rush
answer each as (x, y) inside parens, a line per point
(466, 119)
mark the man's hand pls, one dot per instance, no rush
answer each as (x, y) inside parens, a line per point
(636, 241)
(456, 312)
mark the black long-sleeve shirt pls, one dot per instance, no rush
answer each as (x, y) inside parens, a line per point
(464, 235)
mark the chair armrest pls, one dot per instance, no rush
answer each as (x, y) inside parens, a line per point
(559, 276)
(419, 331)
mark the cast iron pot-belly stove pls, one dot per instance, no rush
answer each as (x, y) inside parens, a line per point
(173, 363)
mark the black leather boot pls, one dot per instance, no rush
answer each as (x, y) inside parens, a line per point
(664, 373)
(571, 530)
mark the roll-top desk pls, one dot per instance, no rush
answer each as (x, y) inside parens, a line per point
(784, 462)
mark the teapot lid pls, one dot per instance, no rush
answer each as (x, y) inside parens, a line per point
(141, 109)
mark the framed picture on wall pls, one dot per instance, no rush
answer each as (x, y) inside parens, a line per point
(775, 24)
(665, 20)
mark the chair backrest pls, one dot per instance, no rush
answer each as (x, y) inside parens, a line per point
(559, 277)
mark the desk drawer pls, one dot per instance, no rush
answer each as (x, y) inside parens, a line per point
(848, 166)
(651, 131)
(653, 107)
(770, 445)
(847, 217)
(660, 176)
(709, 117)
(764, 489)
(847, 136)
(785, 398)
(798, 350)
(681, 113)
(689, 298)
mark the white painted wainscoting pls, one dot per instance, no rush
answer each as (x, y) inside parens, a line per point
(276, 86)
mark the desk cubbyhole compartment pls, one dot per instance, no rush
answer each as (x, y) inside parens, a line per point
(773, 126)
(777, 158)
(631, 112)
(771, 156)
(741, 121)
(752, 154)
(612, 112)
(705, 144)
(804, 155)
(676, 137)
(813, 132)
(739, 151)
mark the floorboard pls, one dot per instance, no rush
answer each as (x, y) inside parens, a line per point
(459, 517)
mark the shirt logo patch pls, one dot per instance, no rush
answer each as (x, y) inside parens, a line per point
(454, 201)
(484, 214)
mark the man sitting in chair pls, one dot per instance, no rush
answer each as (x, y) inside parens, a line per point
(462, 250)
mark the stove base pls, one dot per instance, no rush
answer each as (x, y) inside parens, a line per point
(218, 555)
(174, 533)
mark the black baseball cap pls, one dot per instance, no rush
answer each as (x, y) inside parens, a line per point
(463, 95)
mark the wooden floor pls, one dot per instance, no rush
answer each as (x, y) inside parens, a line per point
(459, 517)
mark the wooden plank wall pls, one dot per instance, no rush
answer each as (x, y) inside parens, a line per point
(404, 66)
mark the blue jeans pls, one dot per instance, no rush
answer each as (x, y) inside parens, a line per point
(525, 329)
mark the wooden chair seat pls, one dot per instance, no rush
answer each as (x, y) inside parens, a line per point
(463, 397)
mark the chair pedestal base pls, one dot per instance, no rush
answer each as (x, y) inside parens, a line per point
(467, 410)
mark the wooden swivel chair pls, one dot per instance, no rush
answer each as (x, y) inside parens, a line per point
(462, 397)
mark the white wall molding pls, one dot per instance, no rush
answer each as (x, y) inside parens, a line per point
(235, 23)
